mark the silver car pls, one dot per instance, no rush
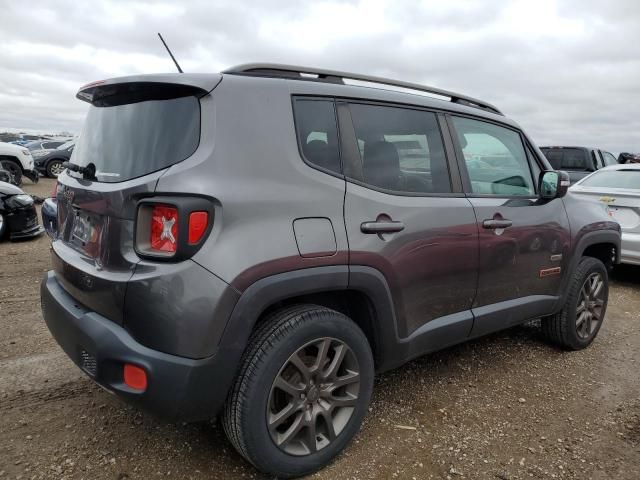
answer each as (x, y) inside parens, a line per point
(619, 187)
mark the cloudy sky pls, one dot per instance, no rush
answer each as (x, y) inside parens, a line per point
(567, 70)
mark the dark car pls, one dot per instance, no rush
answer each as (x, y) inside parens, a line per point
(258, 243)
(578, 162)
(18, 216)
(44, 145)
(50, 162)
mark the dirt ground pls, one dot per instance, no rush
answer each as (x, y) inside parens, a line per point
(504, 407)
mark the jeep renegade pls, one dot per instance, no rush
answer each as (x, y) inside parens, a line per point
(260, 242)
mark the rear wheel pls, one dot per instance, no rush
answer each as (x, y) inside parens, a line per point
(14, 170)
(302, 391)
(579, 322)
(54, 168)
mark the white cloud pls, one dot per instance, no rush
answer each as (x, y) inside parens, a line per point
(566, 70)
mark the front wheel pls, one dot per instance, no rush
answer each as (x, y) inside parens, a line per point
(302, 392)
(579, 322)
(14, 171)
(54, 168)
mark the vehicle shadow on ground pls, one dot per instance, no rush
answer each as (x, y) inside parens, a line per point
(626, 275)
(210, 451)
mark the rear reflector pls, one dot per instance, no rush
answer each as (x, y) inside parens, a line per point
(197, 226)
(164, 229)
(135, 377)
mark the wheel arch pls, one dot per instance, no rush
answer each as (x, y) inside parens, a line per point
(597, 244)
(361, 293)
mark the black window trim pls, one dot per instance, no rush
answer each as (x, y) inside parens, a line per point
(319, 98)
(464, 173)
(350, 152)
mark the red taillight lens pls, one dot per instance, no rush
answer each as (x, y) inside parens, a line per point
(164, 229)
(54, 191)
(135, 377)
(198, 222)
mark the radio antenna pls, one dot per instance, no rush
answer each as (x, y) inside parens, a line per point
(170, 54)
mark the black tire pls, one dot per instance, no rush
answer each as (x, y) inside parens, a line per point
(14, 170)
(248, 409)
(54, 168)
(3, 226)
(565, 329)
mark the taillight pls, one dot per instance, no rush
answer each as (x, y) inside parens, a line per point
(198, 222)
(172, 228)
(54, 191)
(164, 229)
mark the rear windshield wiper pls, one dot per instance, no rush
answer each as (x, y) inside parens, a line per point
(88, 172)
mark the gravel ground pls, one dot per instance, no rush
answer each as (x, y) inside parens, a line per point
(503, 407)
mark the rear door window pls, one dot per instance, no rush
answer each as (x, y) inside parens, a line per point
(130, 140)
(317, 132)
(495, 158)
(401, 149)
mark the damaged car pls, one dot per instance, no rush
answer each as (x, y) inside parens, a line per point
(18, 216)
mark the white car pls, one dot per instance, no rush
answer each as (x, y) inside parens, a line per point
(18, 161)
(619, 187)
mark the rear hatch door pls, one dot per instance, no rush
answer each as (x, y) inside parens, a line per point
(135, 129)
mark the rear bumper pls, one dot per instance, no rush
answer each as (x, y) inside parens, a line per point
(630, 251)
(177, 387)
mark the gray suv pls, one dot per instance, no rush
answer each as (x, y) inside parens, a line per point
(260, 242)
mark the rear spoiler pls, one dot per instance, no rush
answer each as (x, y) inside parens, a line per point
(139, 88)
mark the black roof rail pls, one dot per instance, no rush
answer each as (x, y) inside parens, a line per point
(333, 76)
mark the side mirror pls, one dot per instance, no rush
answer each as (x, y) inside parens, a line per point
(553, 184)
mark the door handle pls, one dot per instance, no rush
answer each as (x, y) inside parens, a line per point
(381, 227)
(495, 224)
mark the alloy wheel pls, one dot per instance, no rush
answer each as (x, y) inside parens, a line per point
(590, 305)
(56, 168)
(313, 397)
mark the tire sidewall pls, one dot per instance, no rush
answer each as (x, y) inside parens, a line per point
(593, 266)
(260, 446)
(14, 169)
(50, 174)
(3, 226)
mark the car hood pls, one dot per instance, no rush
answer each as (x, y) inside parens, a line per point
(9, 148)
(8, 189)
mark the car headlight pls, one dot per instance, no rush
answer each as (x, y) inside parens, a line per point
(39, 153)
(25, 151)
(19, 201)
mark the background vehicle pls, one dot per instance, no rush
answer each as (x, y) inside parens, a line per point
(18, 216)
(50, 162)
(18, 162)
(37, 145)
(49, 212)
(578, 162)
(268, 271)
(618, 187)
(625, 157)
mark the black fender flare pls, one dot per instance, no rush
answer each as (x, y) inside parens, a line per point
(587, 240)
(267, 291)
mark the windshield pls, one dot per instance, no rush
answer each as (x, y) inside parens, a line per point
(131, 140)
(629, 179)
(66, 145)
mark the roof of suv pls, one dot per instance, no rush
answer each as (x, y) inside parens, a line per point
(313, 81)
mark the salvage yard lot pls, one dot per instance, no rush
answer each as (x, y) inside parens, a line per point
(507, 406)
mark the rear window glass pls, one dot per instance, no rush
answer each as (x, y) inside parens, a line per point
(614, 179)
(128, 141)
(566, 158)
